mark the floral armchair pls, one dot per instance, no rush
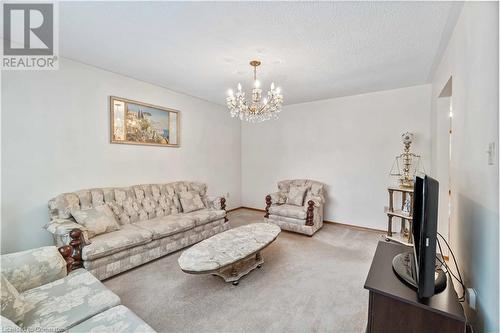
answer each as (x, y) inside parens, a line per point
(39, 295)
(297, 206)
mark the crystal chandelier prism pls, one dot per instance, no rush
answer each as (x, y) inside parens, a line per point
(258, 109)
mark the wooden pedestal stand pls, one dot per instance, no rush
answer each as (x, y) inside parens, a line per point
(399, 213)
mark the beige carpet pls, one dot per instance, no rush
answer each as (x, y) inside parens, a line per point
(307, 284)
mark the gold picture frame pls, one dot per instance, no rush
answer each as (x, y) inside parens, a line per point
(138, 123)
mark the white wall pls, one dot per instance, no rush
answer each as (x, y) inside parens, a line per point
(55, 138)
(348, 143)
(471, 58)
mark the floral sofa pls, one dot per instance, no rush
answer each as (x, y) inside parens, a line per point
(297, 206)
(151, 221)
(38, 295)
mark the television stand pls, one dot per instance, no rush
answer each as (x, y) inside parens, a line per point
(395, 307)
(404, 268)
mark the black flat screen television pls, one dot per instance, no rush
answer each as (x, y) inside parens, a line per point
(419, 268)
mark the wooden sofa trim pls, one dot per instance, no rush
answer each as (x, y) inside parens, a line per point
(72, 253)
(223, 207)
(268, 205)
(310, 213)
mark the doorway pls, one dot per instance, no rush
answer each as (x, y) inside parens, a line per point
(444, 141)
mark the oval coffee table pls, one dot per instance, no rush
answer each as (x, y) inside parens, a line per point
(231, 254)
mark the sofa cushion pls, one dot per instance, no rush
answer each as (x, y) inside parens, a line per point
(12, 304)
(118, 319)
(296, 195)
(98, 220)
(297, 212)
(190, 201)
(206, 215)
(166, 225)
(66, 302)
(105, 244)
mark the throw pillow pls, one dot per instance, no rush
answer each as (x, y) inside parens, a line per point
(12, 302)
(296, 195)
(97, 220)
(190, 201)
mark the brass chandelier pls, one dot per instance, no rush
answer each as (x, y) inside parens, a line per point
(258, 110)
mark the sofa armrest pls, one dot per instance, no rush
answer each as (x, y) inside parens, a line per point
(310, 213)
(314, 213)
(214, 202)
(318, 201)
(61, 228)
(33, 268)
(72, 253)
(275, 198)
(217, 203)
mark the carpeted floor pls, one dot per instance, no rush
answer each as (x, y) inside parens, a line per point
(307, 284)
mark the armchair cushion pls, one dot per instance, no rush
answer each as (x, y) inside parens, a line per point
(286, 210)
(105, 244)
(118, 319)
(12, 303)
(32, 268)
(165, 226)
(288, 220)
(296, 195)
(190, 201)
(97, 220)
(62, 304)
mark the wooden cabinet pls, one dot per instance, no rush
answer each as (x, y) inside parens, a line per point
(395, 307)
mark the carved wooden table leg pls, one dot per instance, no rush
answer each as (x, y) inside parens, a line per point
(236, 271)
(258, 257)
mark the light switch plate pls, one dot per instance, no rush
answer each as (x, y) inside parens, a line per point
(491, 153)
(470, 297)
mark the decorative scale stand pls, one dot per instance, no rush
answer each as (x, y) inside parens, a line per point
(411, 164)
(405, 214)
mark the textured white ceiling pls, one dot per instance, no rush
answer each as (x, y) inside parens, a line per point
(313, 50)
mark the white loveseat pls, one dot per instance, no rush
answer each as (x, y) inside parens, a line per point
(152, 223)
(38, 295)
(304, 212)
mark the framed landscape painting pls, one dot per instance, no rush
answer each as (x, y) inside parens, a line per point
(139, 123)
